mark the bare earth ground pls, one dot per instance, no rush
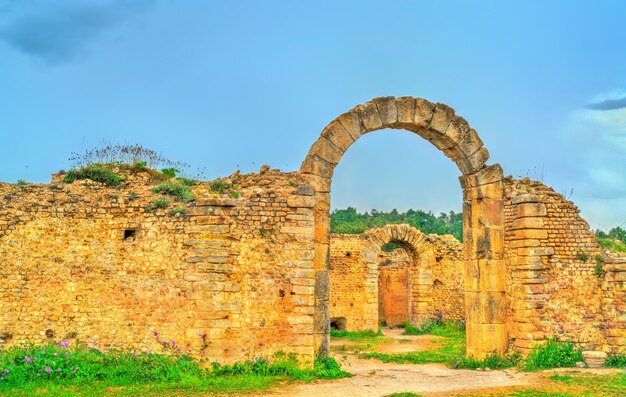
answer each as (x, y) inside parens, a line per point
(375, 378)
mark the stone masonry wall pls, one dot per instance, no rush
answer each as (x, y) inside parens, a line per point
(559, 280)
(360, 293)
(239, 270)
(353, 286)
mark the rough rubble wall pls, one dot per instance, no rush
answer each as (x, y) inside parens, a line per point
(353, 285)
(238, 270)
(448, 289)
(553, 284)
(359, 288)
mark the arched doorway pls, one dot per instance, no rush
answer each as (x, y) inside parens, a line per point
(483, 220)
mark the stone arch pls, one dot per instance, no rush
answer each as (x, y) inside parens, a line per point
(483, 220)
(422, 261)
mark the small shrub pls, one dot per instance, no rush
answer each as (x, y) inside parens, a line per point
(159, 203)
(170, 172)
(97, 173)
(219, 186)
(553, 354)
(187, 181)
(616, 361)
(234, 194)
(582, 256)
(326, 367)
(598, 270)
(132, 196)
(140, 165)
(178, 211)
(178, 192)
(21, 182)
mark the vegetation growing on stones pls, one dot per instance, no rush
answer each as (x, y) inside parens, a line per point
(178, 211)
(95, 172)
(137, 155)
(177, 191)
(159, 203)
(219, 186)
(614, 239)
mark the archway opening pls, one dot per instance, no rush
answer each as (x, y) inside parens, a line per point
(483, 221)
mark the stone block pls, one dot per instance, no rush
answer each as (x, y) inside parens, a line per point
(327, 151)
(485, 176)
(533, 234)
(473, 163)
(406, 110)
(387, 110)
(305, 190)
(493, 190)
(470, 143)
(528, 223)
(351, 122)
(485, 307)
(536, 251)
(524, 198)
(338, 136)
(442, 117)
(314, 164)
(368, 113)
(301, 201)
(531, 210)
(423, 113)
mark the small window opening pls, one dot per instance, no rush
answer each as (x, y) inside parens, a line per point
(348, 254)
(130, 235)
(338, 323)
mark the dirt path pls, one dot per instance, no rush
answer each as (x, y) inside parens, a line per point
(375, 378)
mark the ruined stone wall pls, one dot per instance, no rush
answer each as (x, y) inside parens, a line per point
(448, 274)
(238, 269)
(352, 283)
(360, 290)
(558, 283)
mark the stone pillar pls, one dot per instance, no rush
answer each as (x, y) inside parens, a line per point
(483, 235)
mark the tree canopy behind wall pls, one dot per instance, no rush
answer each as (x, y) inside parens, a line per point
(350, 221)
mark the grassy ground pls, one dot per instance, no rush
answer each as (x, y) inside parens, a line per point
(449, 347)
(63, 370)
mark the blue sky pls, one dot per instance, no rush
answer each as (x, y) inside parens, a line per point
(227, 85)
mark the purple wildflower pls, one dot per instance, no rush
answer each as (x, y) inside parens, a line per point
(58, 369)
(64, 344)
(173, 342)
(48, 369)
(27, 359)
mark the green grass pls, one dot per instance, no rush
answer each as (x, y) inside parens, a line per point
(553, 354)
(449, 348)
(61, 370)
(177, 191)
(616, 361)
(434, 327)
(95, 172)
(403, 394)
(354, 335)
(611, 244)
